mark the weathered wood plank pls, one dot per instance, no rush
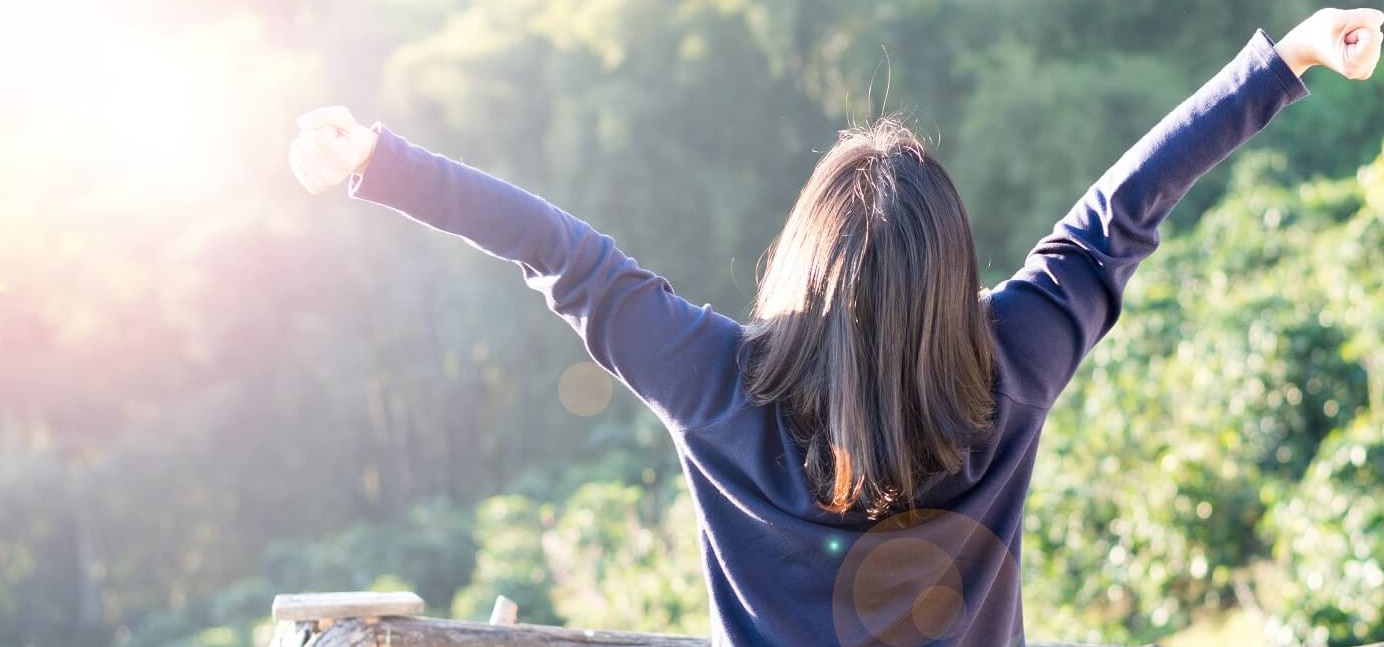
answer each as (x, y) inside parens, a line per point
(309, 607)
(432, 632)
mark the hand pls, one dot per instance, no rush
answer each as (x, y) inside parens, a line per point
(331, 146)
(1344, 41)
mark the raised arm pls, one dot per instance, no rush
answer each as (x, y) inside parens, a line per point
(1070, 290)
(677, 357)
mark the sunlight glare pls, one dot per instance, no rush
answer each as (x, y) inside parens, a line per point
(160, 114)
(111, 103)
(43, 40)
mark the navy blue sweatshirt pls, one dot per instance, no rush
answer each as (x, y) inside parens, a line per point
(779, 569)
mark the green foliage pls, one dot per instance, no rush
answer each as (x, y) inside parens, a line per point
(430, 549)
(610, 555)
(1326, 529)
(426, 550)
(1030, 164)
(623, 558)
(1322, 143)
(1327, 534)
(510, 562)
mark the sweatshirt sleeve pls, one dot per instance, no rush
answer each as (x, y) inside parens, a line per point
(1068, 294)
(676, 357)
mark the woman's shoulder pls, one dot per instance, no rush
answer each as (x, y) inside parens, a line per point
(1030, 332)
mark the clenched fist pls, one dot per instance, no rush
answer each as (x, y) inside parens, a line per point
(1344, 41)
(331, 146)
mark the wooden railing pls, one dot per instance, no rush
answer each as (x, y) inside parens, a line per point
(390, 619)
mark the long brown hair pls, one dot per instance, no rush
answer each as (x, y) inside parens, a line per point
(869, 325)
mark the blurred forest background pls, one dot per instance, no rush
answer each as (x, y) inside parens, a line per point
(214, 388)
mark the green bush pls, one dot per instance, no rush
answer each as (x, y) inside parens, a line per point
(1330, 536)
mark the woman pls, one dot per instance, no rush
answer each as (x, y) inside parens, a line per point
(859, 452)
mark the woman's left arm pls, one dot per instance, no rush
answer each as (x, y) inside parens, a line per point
(1070, 290)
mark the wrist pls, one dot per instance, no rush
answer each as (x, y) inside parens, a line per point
(370, 139)
(1291, 50)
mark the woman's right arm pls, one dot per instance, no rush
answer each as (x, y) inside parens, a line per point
(677, 357)
(1070, 290)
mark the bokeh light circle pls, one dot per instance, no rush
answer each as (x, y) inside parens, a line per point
(926, 577)
(585, 389)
